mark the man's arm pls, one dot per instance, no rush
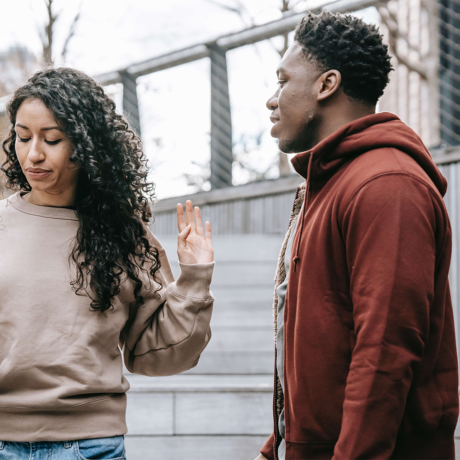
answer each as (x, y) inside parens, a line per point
(389, 231)
(267, 449)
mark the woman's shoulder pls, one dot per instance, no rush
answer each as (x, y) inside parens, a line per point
(5, 202)
(162, 256)
(153, 240)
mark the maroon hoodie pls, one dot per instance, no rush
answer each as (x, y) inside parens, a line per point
(370, 357)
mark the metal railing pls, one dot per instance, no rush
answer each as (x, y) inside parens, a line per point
(215, 50)
(424, 90)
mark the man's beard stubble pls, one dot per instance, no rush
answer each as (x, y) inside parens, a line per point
(306, 140)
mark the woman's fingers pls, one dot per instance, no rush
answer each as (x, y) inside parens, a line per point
(189, 214)
(207, 234)
(198, 222)
(185, 233)
(194, 221)
(180, 218)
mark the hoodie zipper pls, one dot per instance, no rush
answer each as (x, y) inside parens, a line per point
(275, 416)
(275, 386)
(302, 218)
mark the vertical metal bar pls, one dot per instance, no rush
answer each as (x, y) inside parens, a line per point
(432, 66)
(449, 15)
(221, 121)
(130, 101)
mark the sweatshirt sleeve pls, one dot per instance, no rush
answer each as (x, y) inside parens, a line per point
(267, 449)
(391, 229)
(167, 334)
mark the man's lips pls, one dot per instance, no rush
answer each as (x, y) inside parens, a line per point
(37, 170)
(274, 120)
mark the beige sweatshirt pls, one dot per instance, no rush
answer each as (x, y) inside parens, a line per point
(61, 372)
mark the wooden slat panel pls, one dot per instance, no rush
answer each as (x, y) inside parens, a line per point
(254, 215)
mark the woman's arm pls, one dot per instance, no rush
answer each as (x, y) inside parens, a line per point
(167, 334)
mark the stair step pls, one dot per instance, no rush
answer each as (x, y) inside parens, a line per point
(199, 405)
(239, 273)
(235, 362)
(200, 383)
(194, 447)
(240, 315)
(241, 338)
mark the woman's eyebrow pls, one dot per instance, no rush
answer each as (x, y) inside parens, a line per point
(43, 129)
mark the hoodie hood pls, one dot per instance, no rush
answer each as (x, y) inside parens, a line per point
(368, 133)
(380, 130)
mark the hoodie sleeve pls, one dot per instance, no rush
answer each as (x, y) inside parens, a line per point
(166, 335)
(391, 229)
(268, 448)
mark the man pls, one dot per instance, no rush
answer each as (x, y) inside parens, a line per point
(366, 364)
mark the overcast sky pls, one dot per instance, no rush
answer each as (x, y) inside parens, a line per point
(175, 103)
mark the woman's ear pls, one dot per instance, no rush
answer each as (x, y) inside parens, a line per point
(329, 84)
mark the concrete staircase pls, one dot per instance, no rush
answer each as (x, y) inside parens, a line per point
(222, 408)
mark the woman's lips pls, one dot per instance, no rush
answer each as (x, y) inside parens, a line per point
(38, 175)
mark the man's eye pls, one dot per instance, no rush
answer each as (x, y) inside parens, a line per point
(23, 140)
(53, 142)
(280, 82)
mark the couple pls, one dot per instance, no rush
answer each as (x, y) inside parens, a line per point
(366, 364)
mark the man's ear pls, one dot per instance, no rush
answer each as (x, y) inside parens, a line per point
(329, 83)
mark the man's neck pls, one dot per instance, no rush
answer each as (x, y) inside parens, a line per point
(333, 121)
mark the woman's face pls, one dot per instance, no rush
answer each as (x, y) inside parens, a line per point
(43, 151)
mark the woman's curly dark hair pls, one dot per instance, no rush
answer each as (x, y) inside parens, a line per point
(345, 43)
(113, 194)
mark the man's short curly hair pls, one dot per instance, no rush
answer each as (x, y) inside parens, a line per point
(346, 43)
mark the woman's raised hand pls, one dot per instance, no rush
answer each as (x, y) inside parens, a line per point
(194, 246)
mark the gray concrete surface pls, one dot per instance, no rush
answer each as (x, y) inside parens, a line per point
(222, 408)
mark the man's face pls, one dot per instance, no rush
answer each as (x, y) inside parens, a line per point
(294, 105)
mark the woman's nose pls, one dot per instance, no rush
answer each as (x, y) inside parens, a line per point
(36, 154)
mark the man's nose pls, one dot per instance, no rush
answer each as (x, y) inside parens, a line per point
(272, 102)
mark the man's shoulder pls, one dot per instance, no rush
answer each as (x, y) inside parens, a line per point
(382, 162)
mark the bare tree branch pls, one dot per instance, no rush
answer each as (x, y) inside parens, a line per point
(223, 6)
(47, 40)
(237, 10)
(71, 34)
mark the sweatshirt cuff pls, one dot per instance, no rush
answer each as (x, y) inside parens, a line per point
(194, 280)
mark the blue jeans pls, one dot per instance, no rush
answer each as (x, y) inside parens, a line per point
(86, 449)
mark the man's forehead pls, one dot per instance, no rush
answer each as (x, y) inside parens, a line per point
(293, 58)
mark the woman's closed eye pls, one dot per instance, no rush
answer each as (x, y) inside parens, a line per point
(48, 142)
(53, 142)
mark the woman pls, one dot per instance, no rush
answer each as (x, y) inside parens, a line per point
(81, 275)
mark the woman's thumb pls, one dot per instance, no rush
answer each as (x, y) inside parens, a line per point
(185, 233)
